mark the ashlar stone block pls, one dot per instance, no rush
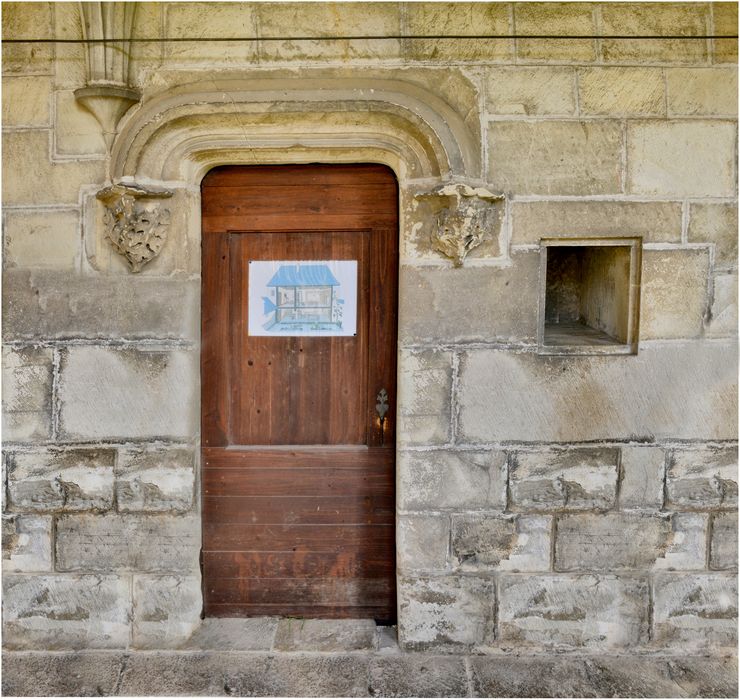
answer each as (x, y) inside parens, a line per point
(559, 18)
(325, 635)
(26, 100)
(147, 543)
(687, 547)
(643, 471)
(695, 610)
(166, 610)
(76, 132)
(422, 542)
(715, 223)
(524, 90)
(702, 91)
(601, 612)
(447, 613)
(681, 158)
(66, 480)
(443, 479)
(424, 397)
(27, 379)
(124, 393)
(44, 239)
(609, 541)
(724, 15)
(574, 479)
(560, 158)
(622, 91)
(723, 552)
(26, 543)
(23, 21)
(66, 612)
(723, 312)
(155, 479)
(531, 548)
(702, 478)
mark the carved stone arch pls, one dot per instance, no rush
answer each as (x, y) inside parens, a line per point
(176, 136)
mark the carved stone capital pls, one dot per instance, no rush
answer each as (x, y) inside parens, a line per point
(466, 217)
(136, 222)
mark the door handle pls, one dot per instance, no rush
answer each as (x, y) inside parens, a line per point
(382, 408)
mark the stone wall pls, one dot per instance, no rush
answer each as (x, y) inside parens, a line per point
(543, 502)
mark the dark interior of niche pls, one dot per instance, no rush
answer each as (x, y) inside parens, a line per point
(587, 295)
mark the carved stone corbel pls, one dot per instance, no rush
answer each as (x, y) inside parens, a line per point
(466, 219)
(136, 222)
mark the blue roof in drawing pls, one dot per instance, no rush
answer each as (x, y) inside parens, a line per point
(303, 276)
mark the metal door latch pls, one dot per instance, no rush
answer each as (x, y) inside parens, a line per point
(382, 408)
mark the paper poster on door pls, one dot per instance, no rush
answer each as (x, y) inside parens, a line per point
(302, 297)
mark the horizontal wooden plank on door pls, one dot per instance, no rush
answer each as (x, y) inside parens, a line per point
(299, 610)
(239, 456)
(227, 176)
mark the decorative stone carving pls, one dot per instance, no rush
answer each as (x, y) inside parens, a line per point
(467, 218)
(136, 221)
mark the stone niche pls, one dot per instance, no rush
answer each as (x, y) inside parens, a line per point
(589, 296)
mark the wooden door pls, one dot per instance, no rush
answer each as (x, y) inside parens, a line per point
(298, 468)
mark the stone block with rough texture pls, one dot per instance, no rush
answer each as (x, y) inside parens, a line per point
(445, 613)
(422, 542)
(418, 675)
(580, 478)
(724, 15)
(702, 478)
(124, 393)
(324, 635)
(531, 91)
(623, 91)
(166, 610)
(715, 223)
(723, 313)
(446, 479)
(603, 612)
(642, 474)
(27, 379)
(27, 22)
(681, 159)
(655, 222)
(146, 543)
(61, 479)
(36, 239)
(521, 396)
(609, 541)
(674, 296)
(155, 479)
(695, 610)
(481, 541)
(26, 543)
(560, 158)
(59, 611)
(424, 397)
(560, 18)
(723, 549)
(687, 545)
(702, 91)
(464, 304)
(26, 101)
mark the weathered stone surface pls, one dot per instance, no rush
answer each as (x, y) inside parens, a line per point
(680, 159)
(564, 19)
(124, 393)
(445, 613)
(695, 610)
(715, 223)
(325, 635)
(420, 676)
(464, 304)
(76, 131)
(21, 22)
(576, 611)
(77, 674)
(54, 304)
(669, 19)
(481, 541)
(723, 551)
(233, 634)
(424, 397)
(674, 293)
(61, 181)
(653, 221)
(521, 396)
(422, 542)
(27, 380)
(26, 101)
(41, 239)
(609, 541)
(166, 610)
(724, 15)
(702, 478)
(562, 157)
(541, 90)
(531, 548)
(67, 479)
(687, 547)
(126, 542)
(643, 470)
(580, 478)
(66, 612)
(441, 18)
(446, 479)
(26, 543)
(702, 91)
(723, 312)
(155, 479)
(621, 91)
